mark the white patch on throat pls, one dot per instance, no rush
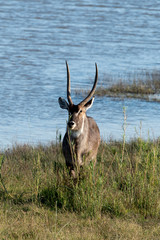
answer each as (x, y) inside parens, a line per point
(76, 134)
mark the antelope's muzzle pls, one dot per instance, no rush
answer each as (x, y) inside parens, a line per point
(71, 124)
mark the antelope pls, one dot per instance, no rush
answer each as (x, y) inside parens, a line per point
(82, 131)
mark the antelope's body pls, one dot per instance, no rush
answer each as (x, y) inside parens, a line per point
(82, 137)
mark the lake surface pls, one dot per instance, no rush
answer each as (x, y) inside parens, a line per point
(37, 37)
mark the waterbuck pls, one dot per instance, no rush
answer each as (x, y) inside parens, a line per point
(82, 137)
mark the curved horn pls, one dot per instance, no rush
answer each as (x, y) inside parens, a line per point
(68, 86)
(93, 89)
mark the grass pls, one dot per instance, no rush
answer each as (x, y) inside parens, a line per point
(140, 85)
(119, 199)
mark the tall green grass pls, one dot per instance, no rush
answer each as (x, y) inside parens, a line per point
(125, 180)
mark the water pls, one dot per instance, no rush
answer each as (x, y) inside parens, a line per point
(38, 36)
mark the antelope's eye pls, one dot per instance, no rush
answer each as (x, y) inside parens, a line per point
(80, 111)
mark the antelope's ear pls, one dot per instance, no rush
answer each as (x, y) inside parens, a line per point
(63, 104)
(89, 104)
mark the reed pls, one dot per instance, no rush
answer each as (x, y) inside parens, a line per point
(140, 85)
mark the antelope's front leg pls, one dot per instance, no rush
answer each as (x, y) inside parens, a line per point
(79, 160)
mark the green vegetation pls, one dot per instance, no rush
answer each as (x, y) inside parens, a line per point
(119, 199)
(138, 86)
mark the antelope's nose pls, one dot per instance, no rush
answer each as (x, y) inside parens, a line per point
(71, 124)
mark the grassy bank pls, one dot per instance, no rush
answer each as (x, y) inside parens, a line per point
(144, 85)
(120, 199)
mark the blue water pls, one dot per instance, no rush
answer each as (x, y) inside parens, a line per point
(38, 36)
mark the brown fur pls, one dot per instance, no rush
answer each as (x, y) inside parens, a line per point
(83, 148)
